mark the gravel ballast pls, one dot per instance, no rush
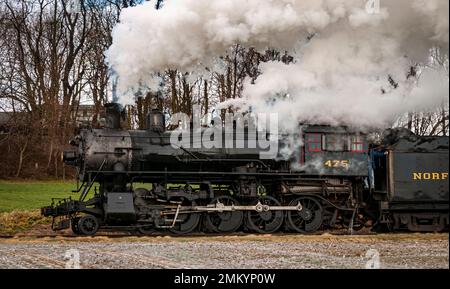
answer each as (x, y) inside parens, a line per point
(251, 251)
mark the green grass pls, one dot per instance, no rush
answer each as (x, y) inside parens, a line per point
(25, 196)
(32, 195)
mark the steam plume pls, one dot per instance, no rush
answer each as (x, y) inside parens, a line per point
(338, 75)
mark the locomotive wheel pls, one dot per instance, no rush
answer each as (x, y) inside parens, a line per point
(265, 222)
(309, 219)
(88, 225)
(357, 225)
(224, 222)
(186, 223)
(147, 230)
(358, 222)
(74, 225)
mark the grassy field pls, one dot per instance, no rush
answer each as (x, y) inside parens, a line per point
(21, 195)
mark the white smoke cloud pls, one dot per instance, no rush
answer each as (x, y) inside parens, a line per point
(337, 77)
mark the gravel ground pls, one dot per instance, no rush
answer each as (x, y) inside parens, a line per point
(250, 251)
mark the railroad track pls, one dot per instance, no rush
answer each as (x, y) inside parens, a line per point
(191, 235)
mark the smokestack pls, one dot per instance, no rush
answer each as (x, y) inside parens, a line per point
(113, 111)
(156, 121)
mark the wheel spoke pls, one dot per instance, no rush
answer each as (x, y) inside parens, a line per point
(265, 222)
(224, 222)
(189, 222)
(88, 225)
(309, 219)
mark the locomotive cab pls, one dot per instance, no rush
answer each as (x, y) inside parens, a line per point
(334, 151)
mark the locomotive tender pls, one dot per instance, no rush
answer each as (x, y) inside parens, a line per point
(339, 181)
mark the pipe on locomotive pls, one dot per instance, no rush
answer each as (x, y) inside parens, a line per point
(113, 114)
(155, 120)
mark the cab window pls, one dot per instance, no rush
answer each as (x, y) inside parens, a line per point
(334, 142)
(356, 143)
(313, 142)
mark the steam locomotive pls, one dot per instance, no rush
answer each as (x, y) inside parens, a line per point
(137, 180)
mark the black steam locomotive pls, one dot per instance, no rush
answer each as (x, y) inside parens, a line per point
(137, 180)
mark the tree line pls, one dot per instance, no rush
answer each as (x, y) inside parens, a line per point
(53, 62)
